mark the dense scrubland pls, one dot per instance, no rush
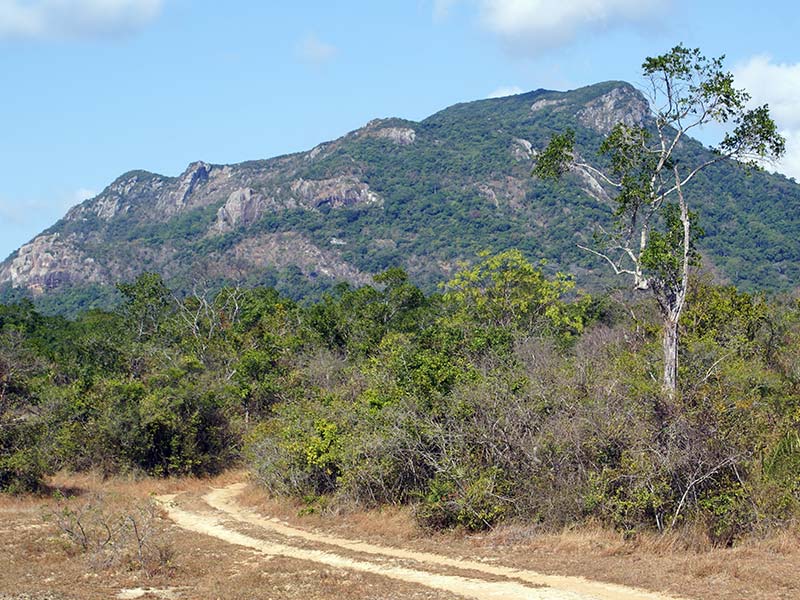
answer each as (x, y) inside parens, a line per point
(507, 396)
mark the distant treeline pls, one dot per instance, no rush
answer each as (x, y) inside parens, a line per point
(508, 395)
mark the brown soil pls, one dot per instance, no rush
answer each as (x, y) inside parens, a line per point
(272, 552)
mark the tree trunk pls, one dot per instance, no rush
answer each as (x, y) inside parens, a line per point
(673, 309)
(670, 355)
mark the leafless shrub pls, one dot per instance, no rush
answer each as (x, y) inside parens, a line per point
(112, 534)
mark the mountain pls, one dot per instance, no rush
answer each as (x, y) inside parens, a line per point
(421, 195)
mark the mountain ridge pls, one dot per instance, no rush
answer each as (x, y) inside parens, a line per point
(423, 195)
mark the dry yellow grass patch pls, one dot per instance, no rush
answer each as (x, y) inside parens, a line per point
(39, 562)
(37, 559)
(683, 563)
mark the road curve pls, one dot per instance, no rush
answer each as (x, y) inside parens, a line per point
(427, 568)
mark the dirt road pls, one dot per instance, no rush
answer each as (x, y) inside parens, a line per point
(223, 518)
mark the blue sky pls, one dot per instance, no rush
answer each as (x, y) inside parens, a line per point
(94, 88)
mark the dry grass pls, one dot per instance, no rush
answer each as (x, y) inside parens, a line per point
(390, 524)
(683, 563)
(134, 485)
(38, 562)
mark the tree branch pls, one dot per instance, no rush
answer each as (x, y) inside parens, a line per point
(618, 270)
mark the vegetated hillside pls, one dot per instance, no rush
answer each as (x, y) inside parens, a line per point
(420, 195)
(509, 397)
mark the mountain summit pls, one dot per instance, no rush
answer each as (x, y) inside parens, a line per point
(421, 195)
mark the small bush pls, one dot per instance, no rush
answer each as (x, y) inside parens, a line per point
(131, 535)
(473, 501)
(22, 471)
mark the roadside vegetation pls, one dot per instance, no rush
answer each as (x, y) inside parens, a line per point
(508, 397)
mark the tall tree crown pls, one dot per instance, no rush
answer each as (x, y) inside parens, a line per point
(653, 239)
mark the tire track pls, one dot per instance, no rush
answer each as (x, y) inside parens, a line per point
(516, 584)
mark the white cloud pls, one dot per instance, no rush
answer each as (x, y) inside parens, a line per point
(790, 164)
(530, 26)
(506, 90)
(44, 19)
(776, 84)
(314, 51)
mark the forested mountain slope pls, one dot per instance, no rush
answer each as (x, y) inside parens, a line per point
(420, 195)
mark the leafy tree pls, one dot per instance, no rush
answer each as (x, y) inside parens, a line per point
(146, 302)
(507, 293)
(653, 239)
(355, 320)
(22, 461)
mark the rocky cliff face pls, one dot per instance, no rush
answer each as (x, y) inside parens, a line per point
(334, 192)
(243, 194)
(243, 207)
(619, 105)
(422, 195)
(50, 262)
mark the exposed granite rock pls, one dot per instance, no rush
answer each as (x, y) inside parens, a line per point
(316, 151)
(108, 206)
(50, 262)
(68, 257)
(119, 197)
(201, 184)
(195, 175)
(623, 104)
(336, 192)
(522, 149)
(545, 103)
(488, 193)
(158, 196)
(387, 129)
(403, 136)
(242, 208)
(591, 185)
(509, 191)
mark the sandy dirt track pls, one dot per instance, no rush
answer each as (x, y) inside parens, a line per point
(469, 579)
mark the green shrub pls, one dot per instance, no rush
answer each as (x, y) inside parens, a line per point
(473, 500)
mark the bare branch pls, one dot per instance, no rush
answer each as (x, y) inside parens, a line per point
(618, 270)
(598, 173)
